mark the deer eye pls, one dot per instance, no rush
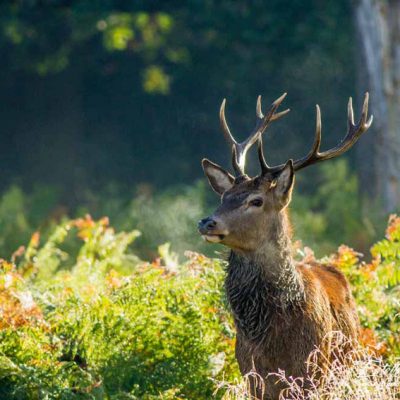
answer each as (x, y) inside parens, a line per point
(256, 202)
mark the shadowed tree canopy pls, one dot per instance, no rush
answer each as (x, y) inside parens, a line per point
(95, 92)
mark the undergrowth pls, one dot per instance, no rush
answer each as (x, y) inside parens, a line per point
(82, 317)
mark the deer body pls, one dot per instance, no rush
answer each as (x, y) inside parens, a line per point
(283, 310)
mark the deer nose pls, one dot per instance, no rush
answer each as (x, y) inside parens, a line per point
(206, 224)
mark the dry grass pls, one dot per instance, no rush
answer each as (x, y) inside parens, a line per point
(357, 375)
(240, 388)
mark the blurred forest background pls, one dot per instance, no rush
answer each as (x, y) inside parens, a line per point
(109, 106)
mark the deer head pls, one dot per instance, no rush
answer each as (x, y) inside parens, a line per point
(250, 207)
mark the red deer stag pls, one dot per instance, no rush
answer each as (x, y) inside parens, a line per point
(282, 310)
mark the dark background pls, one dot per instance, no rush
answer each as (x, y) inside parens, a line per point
(95, 93)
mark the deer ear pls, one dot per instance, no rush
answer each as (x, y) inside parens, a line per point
(220, 180)
(283, 184)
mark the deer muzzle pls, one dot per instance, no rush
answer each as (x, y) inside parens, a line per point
(212, 230)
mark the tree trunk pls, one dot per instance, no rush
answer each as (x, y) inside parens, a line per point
(378, 30)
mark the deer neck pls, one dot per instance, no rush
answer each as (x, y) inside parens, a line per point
(264, 284)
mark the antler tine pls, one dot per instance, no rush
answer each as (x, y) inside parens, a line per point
(239, 150)
(272, 117)
(350, 113)
(354, 132)
(259, 113)
(224, 124)
(274, 107)
(314, 152)
(236, 163)
(265, 168)
(260, 151)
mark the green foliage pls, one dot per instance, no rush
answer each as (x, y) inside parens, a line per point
(20, 215)
(96, 322)
(155, 80)
(337, 198)
(334, 214)
(376, 286)
(111, 326)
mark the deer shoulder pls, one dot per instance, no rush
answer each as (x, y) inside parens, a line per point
(326, 283)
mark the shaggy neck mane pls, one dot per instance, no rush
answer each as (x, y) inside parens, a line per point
(263, 287)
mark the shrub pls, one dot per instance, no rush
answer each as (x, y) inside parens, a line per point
(376, 287)
(106, 325)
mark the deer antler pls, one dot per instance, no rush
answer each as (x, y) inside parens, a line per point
(354, 132)
(239, 150)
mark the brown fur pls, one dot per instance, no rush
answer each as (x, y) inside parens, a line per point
(325, 305)
(282, 310)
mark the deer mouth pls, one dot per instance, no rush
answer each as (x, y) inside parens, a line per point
(213, 238)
